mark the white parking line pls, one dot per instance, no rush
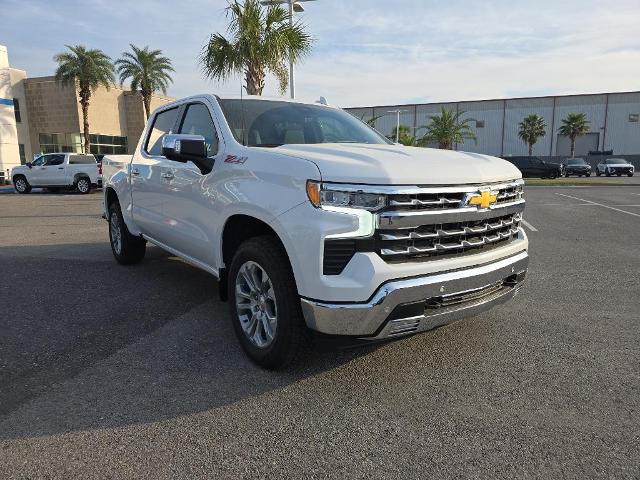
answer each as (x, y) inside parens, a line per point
(529, 226)
(599, 204)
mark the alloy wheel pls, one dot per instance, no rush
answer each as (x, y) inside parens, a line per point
(115, 233)
(83, 185)
(21, 185)
(256, 304)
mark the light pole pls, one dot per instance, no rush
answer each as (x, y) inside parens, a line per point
(294, 6)
(398, 112)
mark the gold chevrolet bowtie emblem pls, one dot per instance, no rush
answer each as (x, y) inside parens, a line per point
(484, 199)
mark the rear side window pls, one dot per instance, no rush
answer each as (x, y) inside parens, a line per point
(81, 159)
(197, 121)
(163, 123)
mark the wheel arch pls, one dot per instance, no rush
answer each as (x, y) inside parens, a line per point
(237, 229)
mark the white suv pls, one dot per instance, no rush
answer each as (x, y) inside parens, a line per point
(58, 170)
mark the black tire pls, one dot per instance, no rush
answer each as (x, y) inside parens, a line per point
(629, 174)
(291, 336)
(588, 175)
(553, 175)
(598, 173)
(130, 249)
(83, 185)
(607, 174)
(619, 174)
(20, 184)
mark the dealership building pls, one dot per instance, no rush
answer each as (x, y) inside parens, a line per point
(37, 115)
(614, 121)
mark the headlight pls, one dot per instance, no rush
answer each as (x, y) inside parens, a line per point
(335, 195)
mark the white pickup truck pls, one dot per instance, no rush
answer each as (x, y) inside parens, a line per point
(58, 170)
(314, 222)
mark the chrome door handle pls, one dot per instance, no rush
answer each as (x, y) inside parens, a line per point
(167, 175)
(135, 171)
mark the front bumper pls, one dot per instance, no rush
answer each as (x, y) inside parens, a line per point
(403, 307)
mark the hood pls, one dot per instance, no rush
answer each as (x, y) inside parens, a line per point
(400, 165)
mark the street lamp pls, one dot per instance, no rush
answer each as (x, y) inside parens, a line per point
(294, 6)
(398, 112)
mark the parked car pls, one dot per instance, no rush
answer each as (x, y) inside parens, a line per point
(57, 170)
(615, 166)
(578, 167)
(314, 222)
(536, 167)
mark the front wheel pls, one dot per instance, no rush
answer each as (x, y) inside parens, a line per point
(630, 174)
(598, 173)
(265, 305)
(126, 248)
(21, 185)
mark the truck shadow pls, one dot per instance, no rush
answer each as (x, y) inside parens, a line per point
(88, 344)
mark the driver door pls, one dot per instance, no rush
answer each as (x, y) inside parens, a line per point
(187, 211)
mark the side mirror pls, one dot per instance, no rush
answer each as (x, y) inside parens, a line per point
(184, 148)
(29, 164)
(187, 148)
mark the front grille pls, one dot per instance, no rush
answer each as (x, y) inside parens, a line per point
(448, 227)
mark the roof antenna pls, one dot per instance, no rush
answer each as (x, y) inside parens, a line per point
(322, 101)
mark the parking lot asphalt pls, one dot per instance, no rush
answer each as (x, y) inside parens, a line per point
(133, 372)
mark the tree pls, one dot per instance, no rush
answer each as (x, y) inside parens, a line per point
(86, 70)
(372, 121)
(530, 129)
(574, 126)
(447, 129)
(404, 137)
(261, 40)
(148, 71)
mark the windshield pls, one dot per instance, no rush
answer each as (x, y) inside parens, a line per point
(577, 161)
(265, 123)
(614, 161)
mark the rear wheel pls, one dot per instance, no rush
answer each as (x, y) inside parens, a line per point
(83, 185)
(265, 305)
(126, 248)
(630, 174)
(553, 175)
(21, 185)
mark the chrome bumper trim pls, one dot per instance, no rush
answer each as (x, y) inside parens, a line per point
(369, 319)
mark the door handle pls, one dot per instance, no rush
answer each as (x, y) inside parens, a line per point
(60, 168)
(167, 175)
(135, 171)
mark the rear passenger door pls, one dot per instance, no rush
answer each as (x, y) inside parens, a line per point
(186, 209)
(149, 192)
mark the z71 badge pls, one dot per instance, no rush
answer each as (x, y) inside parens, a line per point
(234, 159)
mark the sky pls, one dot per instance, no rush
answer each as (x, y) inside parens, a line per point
(366, 52)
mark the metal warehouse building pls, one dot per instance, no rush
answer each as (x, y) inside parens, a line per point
(614, 117)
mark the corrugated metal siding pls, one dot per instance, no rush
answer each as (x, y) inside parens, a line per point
(516, 111)
(489, 136)
(387, 121)
(623, 136)
(593, 106)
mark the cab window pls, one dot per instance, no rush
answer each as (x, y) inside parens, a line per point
(163, 123)
(52, 160)
(197, 121)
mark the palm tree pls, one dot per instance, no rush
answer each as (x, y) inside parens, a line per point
(86, 70)
(148, 71)
(447, 129)
(404, 136)
(372, 121)
(574, 126)
(530, 129)
(261, 40)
